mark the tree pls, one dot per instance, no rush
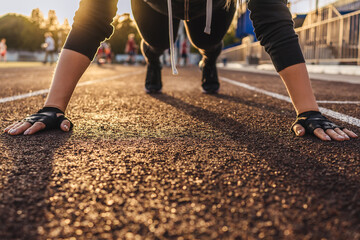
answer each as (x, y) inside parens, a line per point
(63, 31)
(28, 35)
(124, 25)
(52, 22)
(230, 37)
(37, 17)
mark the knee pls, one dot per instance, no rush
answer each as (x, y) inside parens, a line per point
(258, 4)
(268, 11)
(206, 43)
(148, 49)
(95, 16)
(156, 45)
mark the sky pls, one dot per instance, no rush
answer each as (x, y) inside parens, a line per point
(66, 8)
(303, 6)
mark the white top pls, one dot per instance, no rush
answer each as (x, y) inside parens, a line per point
(2, 47)
(50, 44)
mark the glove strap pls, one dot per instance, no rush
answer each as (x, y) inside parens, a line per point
(50, 109)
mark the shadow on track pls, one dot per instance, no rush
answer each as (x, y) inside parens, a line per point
(28, 165)
(306, 170)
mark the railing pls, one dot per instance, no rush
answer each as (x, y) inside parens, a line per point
(327, 37)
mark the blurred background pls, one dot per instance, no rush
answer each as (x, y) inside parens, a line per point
(328, 32)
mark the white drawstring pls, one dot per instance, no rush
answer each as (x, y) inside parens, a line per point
(207, 29)
(171, 37)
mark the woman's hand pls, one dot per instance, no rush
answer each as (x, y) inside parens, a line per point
(313, 122)
(45, 119)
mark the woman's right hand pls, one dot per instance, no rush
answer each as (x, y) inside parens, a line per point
(45, 119)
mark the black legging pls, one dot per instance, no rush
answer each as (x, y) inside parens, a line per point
(153, 27)
(271, 18)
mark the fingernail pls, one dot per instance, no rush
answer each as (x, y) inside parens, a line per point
(12, 131)
(328, 138)
(26, 132)
(298, 132)
(66, 127)
(341, 137)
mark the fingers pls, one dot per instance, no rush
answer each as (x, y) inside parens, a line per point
(65, 125)
(321, 134)
(11, 126)
(36, 127)
(334, 134)
(299, 130)
(18, 128)
(350, 133)
(328, 135)
(341, 133)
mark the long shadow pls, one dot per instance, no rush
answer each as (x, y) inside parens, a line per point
(284, 112)
(303, 169)
(269, 107)
(27, 168)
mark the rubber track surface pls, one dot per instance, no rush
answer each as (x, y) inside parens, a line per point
(177, 165)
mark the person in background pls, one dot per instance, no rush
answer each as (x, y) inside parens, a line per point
(184, 52)
(49, 47)
(131, 48)
(108, 53)
(3, 50)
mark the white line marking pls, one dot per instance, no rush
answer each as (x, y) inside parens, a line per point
(338, 102)
(45, 91)
(26, 95)
(342, 117)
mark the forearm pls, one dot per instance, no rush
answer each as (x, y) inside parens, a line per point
(274, 29)
(92, 25)
(68, 71)
(297, 82)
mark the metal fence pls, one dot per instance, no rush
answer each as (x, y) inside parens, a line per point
(325, 37)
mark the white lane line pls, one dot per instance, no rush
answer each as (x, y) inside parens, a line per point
(45, 91)
(338, 102)
(26, 95)
(342, 117)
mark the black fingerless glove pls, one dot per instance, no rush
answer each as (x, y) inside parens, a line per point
(47, 115)
(312, 120)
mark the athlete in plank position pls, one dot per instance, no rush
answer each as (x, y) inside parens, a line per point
(206, 23)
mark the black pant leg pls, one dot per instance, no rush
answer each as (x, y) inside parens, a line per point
(274, 29)
(154, 30)
(210, 46)
(92, 25)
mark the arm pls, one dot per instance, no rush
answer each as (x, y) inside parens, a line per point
(297, 82)
(274, 29)
(69, 69)
(92, 25)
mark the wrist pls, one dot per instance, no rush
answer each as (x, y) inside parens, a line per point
(51, 109)
(303, 110)
(58, 106)
(308, 113)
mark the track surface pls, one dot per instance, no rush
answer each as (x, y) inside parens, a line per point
(177, 165)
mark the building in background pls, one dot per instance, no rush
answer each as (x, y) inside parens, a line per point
(328, 35)
(347, 5)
